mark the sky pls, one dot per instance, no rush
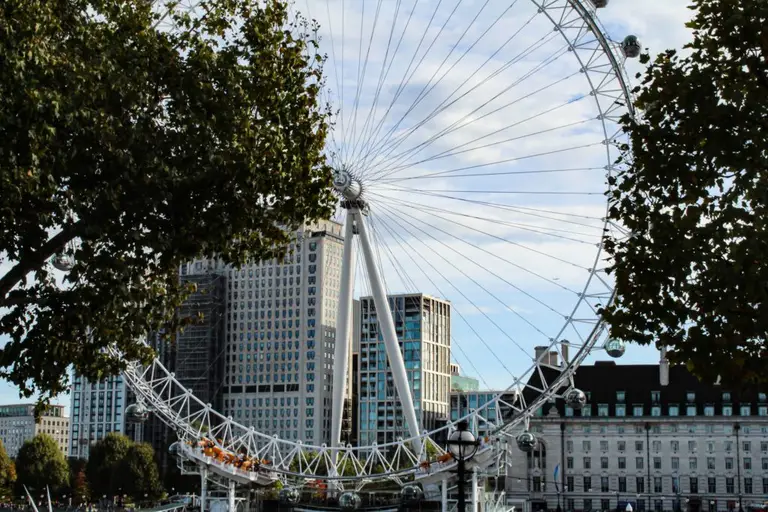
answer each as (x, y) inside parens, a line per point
(480, 147)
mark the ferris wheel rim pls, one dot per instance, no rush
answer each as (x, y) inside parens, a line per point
(586, 13)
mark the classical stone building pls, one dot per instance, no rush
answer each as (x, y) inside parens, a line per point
(684, 446)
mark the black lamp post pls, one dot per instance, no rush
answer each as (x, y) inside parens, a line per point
(462, 445)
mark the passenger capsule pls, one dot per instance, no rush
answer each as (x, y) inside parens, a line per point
(615, 348)
(630, 47)
(289, 496)
(575, 398)
(411, 494)
(350, 501)
(136, 413)
(63, 262)
(526, 441)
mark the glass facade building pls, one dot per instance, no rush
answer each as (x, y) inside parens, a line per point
(423, 329)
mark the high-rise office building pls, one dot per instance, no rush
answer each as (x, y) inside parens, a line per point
(280, 337)
(423, 326)
(96, 410)
(18, 424)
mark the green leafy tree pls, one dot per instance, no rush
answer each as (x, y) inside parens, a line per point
(135, 138)
(692, 276)
(40, 463)
(7, 471)
(103, 466)
(139, 474)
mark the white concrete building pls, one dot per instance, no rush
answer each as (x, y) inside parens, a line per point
(280, 337)
(684, 446)
(18, 424)
(423, 326)
(97, 409)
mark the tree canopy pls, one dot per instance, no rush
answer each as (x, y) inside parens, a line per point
(7, 471)
(104, 462)
(136, 136)
(139, 474)
(693, 274)
(41, 463)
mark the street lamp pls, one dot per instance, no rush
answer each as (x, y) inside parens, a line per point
(462, 445)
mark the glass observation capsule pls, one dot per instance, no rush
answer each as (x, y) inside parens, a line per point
(289, 496)
(136, 413)
(526, 441)
(411, 494)
(175, 448)
(575, 398)
(630, 47)
(63, 262)
(600, 3)
(615, 348)
(350, 501)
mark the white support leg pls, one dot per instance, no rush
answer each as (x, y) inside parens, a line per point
(203, 488)
(343, 326)
(387, 324)
(231, 496)
(444, 494)
(475, 493)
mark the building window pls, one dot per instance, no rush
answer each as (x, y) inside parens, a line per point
(536, 484)
(603, 446)
(587, 485)
(569, 484)
(747, 446)
(655, 396)
(639, 462)
(710, 463)
(622, 445)
(729, 487)
(674, 410)
(569, 462)
(691, 446)
(657, 463)
(586, 446)
(657, 484)
(604, 486)
(676, 487)
(693, 463)
(711, 485)
(602, 410)
(587, 505)
(745, 410)
(620, 395)
(675, 445)
(690, 396)
(694, 485)
(637, 410)
(605, 504)
(622, 463)
(748, 463)
(603, 462)
(747, 485)
(587, 463)
(675, 463)
(727, 410)
(638, 446)
(656, 410)
(621, 410)
(640, 484)
(690, 410)
(622, 484)
(729, 463)
(709, 410)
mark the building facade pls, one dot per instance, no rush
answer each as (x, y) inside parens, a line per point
(684, 446)
(461, 382)
(18, 424)
(280, 337)
(96, 410)
(423, 326)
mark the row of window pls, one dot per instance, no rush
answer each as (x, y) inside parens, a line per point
(693, 463)
(674, 445)
(673, 410)
(537, 484)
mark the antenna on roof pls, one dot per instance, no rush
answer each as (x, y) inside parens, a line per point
(664, 368)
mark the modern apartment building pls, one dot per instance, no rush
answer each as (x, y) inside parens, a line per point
(423, 326)
(96, 410)
(684, 446)
(18, 424)
(461, 382)
(280, 336)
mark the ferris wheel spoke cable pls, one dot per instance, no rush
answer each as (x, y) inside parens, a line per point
(409, 250)
(339, 149)
(532, 228)
(511, 242)
(383, 74)
(454, 150)
(478, 265)
(388, 148)
(406, 78)
(474, 281)
(361, 76)
(491, 253)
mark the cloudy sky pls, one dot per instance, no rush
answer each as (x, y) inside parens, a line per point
(479, 140)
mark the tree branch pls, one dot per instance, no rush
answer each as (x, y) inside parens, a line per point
(35, 260)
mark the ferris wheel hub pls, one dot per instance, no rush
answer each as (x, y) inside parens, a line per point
(347, 185)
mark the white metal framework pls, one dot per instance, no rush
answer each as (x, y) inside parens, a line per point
(572, 93)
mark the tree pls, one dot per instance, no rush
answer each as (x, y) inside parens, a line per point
(80, 491)
(103, 466)
(7, 471)
(135, 138)
(692, 276)
(40, 463)
(139, 473)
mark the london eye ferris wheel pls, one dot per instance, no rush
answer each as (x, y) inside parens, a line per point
(472, 146)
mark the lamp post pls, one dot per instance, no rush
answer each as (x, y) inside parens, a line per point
(462, 445)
